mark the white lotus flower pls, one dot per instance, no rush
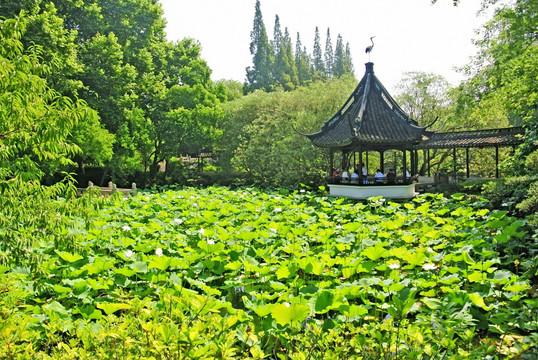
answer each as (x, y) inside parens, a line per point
(394, 266)
(126, 227)
(287, 304)
(178, 221)
(278, 209)
(273, 230)
(210, 242)
(128, 254)
(429, 266)
(159, 252)
(201, 231)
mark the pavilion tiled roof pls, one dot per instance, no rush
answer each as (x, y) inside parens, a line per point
(477, 138)
(371, 118)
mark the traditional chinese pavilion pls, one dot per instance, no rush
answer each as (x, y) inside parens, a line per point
(370, 120)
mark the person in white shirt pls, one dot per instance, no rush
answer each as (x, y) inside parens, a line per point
(379, 177)
(354, 177)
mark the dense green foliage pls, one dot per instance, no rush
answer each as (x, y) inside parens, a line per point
(152, 99)
(216, 273)
(36, 120)
(503, 74)
(259, 134)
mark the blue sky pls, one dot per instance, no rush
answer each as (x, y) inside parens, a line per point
(411, 35)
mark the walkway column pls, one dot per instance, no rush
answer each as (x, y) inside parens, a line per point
(496, 162)
(467, 160)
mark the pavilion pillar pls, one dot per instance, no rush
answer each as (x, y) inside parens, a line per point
(412, 160)
(496, 162)
(360, 170)
(415, 162)
(424, 162)
(367, 163)
(331, 162)
(382, 161)
(428, 161)
(467, 161)
(418, 162)
(404, 166)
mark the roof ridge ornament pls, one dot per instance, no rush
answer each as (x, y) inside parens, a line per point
(369, 48)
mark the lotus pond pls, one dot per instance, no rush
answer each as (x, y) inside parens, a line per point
(234, 274)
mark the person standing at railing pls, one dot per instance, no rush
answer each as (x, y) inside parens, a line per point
(407, 176)
(364, 171)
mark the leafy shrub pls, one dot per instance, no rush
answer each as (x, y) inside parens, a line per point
(222, 178)
(260, 137)
(509, 192)
(531, 163)
(530, 204)
(474, 186)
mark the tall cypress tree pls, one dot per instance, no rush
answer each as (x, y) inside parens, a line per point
(298, 47)
(277, 35)
(291, 66)
(319, 65)
(259, 75)
(339, 58)
(348, 61)
(279, 65)
(329, 59)
(303, 62)
(285, 70)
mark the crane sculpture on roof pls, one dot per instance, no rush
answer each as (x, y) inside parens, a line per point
(369, 48)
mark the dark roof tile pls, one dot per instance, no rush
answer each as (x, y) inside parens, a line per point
(476, 138)
(371, 117)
